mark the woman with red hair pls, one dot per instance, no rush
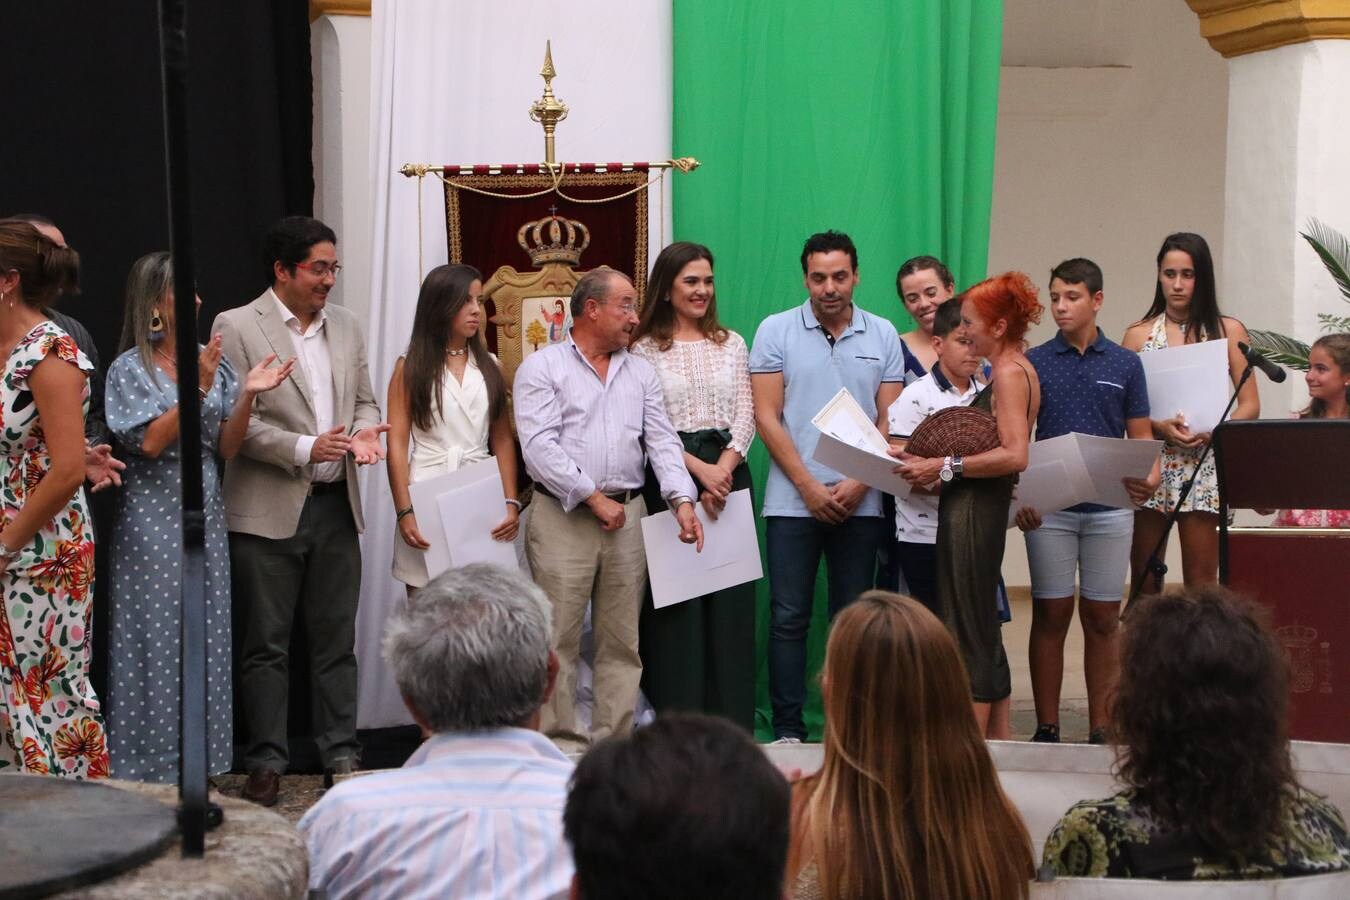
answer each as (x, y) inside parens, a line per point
(976, 490)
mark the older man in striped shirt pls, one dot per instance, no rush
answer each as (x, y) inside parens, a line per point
(477, 811)
(590, 417)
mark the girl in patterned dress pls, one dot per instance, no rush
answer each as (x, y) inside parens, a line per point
(1185, 310)
(50, 722)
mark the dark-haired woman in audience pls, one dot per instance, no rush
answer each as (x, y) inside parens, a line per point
(1203, 753)
(141, 405)
(447, 401)
(699, 655)
(1185, 310)
(1328, 381)
(923, 284)
(50, 722)
(977, 490)
(906, 802)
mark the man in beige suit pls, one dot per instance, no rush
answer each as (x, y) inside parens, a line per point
(292, 500)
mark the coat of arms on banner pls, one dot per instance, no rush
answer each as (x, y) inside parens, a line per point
(532, 307)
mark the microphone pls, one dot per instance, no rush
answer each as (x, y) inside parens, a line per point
(1273, 371)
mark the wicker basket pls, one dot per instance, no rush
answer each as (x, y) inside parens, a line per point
(955, 431)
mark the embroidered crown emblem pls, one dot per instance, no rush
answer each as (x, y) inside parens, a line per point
(1296, 635)
(543, 240)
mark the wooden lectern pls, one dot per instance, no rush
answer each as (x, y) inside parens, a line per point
(1300, 574)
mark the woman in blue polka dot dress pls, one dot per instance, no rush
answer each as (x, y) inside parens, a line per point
(142, 411)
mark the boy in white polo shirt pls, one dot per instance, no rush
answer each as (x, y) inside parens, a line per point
(950, 383)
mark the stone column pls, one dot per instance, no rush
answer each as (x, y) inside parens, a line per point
(340, 34)
(1288, 148)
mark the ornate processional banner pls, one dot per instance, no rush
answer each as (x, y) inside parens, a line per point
(533, 233)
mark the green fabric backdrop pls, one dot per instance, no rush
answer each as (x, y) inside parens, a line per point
(874, 118)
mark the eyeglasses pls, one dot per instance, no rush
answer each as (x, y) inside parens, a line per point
(627, 309)
(321, 268)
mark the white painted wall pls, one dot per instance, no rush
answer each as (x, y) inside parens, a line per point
(342, 185)
(1111, 134)
(1286, 164)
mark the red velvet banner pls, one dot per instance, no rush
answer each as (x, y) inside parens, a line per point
(482, 230)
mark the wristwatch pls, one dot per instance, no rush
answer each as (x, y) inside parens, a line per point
(952, 468)
(677, 502)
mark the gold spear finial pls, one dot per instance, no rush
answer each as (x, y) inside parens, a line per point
(548, 71)
(548, 110)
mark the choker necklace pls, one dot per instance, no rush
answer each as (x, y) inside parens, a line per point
(1183, 324)
(460, 352)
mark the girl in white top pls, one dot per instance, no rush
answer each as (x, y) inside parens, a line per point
(447, 395)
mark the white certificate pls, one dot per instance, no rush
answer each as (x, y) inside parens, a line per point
(1077, 468)
(456, 513)
(730, 553)
(1108, 460)
(1191, 380)
(850, 444)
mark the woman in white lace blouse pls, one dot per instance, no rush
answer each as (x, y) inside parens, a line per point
(699, 655)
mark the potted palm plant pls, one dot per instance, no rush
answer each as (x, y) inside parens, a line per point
(1334, 250)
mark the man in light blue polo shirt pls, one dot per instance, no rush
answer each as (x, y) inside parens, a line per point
(799, 361)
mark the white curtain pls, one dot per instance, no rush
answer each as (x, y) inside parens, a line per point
(452, 83)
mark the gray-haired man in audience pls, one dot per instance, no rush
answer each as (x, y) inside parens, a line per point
(477, 810)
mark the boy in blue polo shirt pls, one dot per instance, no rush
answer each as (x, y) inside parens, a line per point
(1089, 385)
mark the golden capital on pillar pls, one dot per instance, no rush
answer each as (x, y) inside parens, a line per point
(338, 8)
(1237, 27)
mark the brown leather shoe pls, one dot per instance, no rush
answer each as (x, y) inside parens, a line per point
(262, 786)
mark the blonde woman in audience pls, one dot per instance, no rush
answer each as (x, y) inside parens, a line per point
(907, 802)
(1201, 723)
(447, 409)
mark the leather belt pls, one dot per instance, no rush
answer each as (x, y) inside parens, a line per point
(618, 497)
(319, 488)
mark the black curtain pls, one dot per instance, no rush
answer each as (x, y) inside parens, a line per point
(86, 147)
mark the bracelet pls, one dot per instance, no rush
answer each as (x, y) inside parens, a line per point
(512, 501)
(402, 513)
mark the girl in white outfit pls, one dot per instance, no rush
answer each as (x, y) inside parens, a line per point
(447, 395)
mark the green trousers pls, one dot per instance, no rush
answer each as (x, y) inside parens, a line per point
(699, 656)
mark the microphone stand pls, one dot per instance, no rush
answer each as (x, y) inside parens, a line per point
(1155, 565)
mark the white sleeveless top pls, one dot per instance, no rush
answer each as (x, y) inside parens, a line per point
(458, 436)
(459, 432)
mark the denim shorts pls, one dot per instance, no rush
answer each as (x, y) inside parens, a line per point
(1095, 546)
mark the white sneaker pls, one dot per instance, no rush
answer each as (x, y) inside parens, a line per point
(786, 740)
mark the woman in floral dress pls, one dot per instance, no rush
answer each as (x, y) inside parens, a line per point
(1185, 310)
(50, 721)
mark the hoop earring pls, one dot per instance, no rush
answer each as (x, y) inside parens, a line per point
(156, 325)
